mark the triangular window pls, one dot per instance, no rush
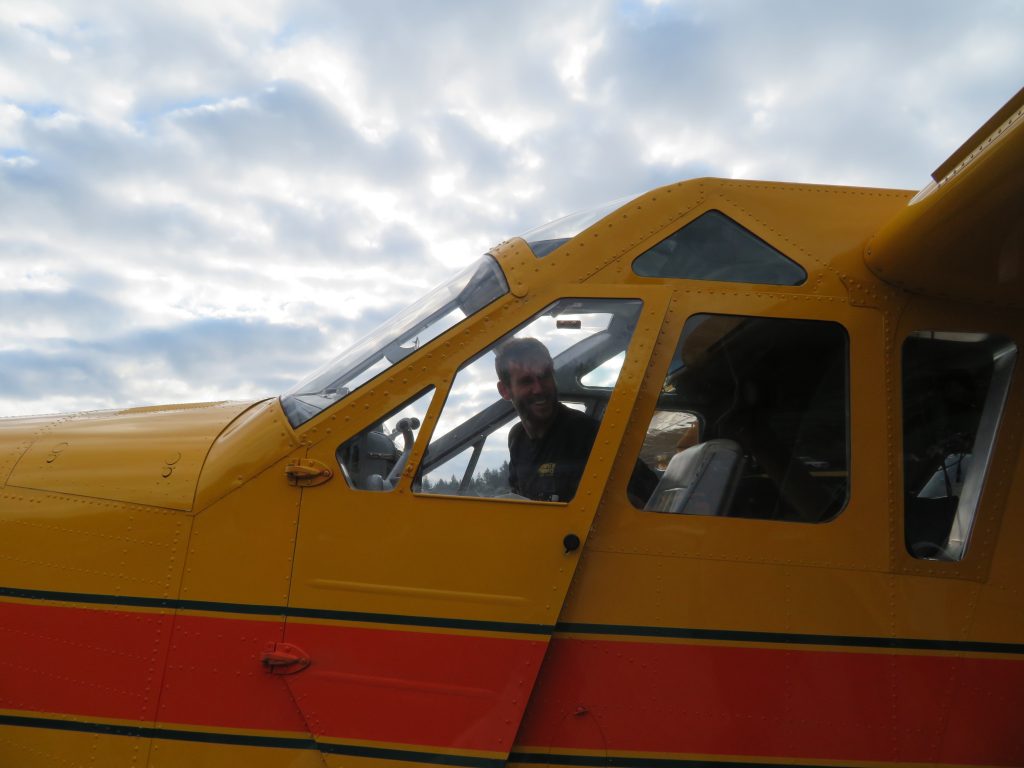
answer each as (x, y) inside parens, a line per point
(714, 247)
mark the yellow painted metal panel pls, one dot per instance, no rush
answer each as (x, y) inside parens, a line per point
(963, 238)
(50, 541)
(349, 761)
(727, 595)
(241, 546)
(140, 456)
(50, 748)
(251, 443)
(168, 753)
(18, 434)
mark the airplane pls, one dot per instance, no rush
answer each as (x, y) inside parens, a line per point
(828, 571)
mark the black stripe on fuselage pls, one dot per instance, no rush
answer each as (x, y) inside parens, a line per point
(623, 630)
(276, 611)
(616, 761)
(251, 740)
(776, 638)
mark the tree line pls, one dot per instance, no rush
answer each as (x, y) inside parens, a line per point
(489, 483)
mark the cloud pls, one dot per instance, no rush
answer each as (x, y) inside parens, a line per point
(198, 360)
(55, 314)
(265, 180)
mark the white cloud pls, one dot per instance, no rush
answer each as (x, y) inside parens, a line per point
(678, 148)
(221, 105)
(333, 75)
(572, 65)
(11, 120)
(18, 161)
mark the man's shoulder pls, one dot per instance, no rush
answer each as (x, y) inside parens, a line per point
(516, 433)
(577, 421)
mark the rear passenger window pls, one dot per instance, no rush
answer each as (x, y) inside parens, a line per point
(954, 389)
(753, 420)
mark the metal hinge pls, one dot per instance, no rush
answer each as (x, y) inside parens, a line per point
(283, 658)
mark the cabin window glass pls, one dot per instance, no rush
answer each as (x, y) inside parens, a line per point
(752, 421)
(469, 452)
(447, 305)
(954, 390)
(714, 247)
(374, 459)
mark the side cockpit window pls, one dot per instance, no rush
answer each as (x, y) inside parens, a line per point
(954, 389)
(714, 247)
(522, 416)
(374, 459)
(753, 421)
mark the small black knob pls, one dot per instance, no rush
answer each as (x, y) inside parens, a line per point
(571, 542)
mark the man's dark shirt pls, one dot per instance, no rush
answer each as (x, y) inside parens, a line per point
(549, 469)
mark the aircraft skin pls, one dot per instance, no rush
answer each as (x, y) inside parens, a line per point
(177, 589)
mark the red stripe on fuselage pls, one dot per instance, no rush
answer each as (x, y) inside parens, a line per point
(55, 658)
(419, 688)
(686, 698)
(109, 664)
(468, 692)
(401, 687)
(215, 676)
(459, 691)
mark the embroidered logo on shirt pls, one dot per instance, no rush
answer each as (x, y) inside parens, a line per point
(546, 470)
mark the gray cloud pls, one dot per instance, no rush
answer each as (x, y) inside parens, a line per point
(254, 356)
(29, 374)
(74, 311)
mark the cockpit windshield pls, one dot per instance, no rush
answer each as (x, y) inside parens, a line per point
(445, 306)
(547, 237)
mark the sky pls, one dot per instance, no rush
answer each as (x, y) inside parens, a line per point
(208, 200)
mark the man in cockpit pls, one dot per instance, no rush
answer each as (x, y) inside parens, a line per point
(548, 448)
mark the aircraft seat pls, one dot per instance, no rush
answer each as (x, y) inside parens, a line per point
(699, 480)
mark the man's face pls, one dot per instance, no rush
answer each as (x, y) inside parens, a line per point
(531, 388)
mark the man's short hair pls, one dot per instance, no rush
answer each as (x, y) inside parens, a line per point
(518, 351)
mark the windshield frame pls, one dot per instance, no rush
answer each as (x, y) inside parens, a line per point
(468, 292)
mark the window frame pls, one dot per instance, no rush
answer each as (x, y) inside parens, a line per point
(983, 447)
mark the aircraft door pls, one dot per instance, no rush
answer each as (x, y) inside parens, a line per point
(425, 586)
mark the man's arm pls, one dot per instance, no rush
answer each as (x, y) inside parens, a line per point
(513, 476)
